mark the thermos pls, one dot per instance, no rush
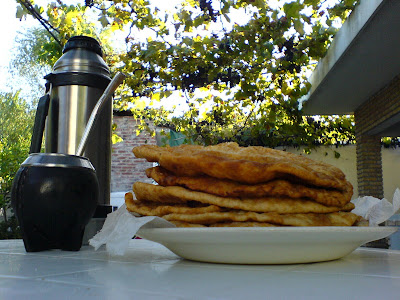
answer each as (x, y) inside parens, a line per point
(56, 193)
(76, 83)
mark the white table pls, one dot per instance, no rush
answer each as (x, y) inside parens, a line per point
(150, 271)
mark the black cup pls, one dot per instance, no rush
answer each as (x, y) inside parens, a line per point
(54, 196)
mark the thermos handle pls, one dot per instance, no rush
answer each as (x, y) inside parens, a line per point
(38, 126)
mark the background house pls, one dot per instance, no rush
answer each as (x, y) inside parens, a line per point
(360, 75)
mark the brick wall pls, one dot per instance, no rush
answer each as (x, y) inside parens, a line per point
(369, 166)
(125, 168)
(379, 108)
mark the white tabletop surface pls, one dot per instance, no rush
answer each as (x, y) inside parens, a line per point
(150, 271)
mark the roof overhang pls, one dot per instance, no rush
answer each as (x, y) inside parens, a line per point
(362, 59)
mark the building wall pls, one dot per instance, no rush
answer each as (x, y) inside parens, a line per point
(382, 106)
(347, 163)
(125, 168)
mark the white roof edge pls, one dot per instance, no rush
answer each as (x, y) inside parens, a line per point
(346, 35)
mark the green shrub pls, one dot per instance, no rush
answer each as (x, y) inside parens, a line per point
(10, 229)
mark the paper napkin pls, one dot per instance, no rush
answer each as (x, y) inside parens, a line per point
(120, 227)
(376, 210)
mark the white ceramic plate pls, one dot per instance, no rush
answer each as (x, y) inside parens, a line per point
(279, 245)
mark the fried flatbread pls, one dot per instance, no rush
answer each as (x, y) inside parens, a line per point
(250, 165)
(155, 193)
(309, 219)
(159, 210)
(243, 224)
(224, 224)
(229, 188)
(186, 224)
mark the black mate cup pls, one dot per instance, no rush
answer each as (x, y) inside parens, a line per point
(54, 196)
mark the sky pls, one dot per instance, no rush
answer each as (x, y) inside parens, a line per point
(10, 25)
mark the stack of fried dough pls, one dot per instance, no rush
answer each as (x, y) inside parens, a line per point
(232, 186)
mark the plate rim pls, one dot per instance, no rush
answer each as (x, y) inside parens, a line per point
(318, 229)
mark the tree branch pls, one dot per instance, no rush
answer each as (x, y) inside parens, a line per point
(28, 5)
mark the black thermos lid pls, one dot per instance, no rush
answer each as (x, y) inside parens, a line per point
(83, 42)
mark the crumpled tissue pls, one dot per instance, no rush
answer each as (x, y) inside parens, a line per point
(121, 225)
(376, 210)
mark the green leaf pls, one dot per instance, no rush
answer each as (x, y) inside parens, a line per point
(292, 9)
(20, 13)
(103, 20)
(298, 25)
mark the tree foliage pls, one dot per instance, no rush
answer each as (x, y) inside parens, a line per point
(239, 67)
(16, 120)
(28, 64)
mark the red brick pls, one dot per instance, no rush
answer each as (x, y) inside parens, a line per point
(125, 168)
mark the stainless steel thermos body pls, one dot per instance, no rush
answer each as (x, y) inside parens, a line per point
(75, 85)
(56, 193)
